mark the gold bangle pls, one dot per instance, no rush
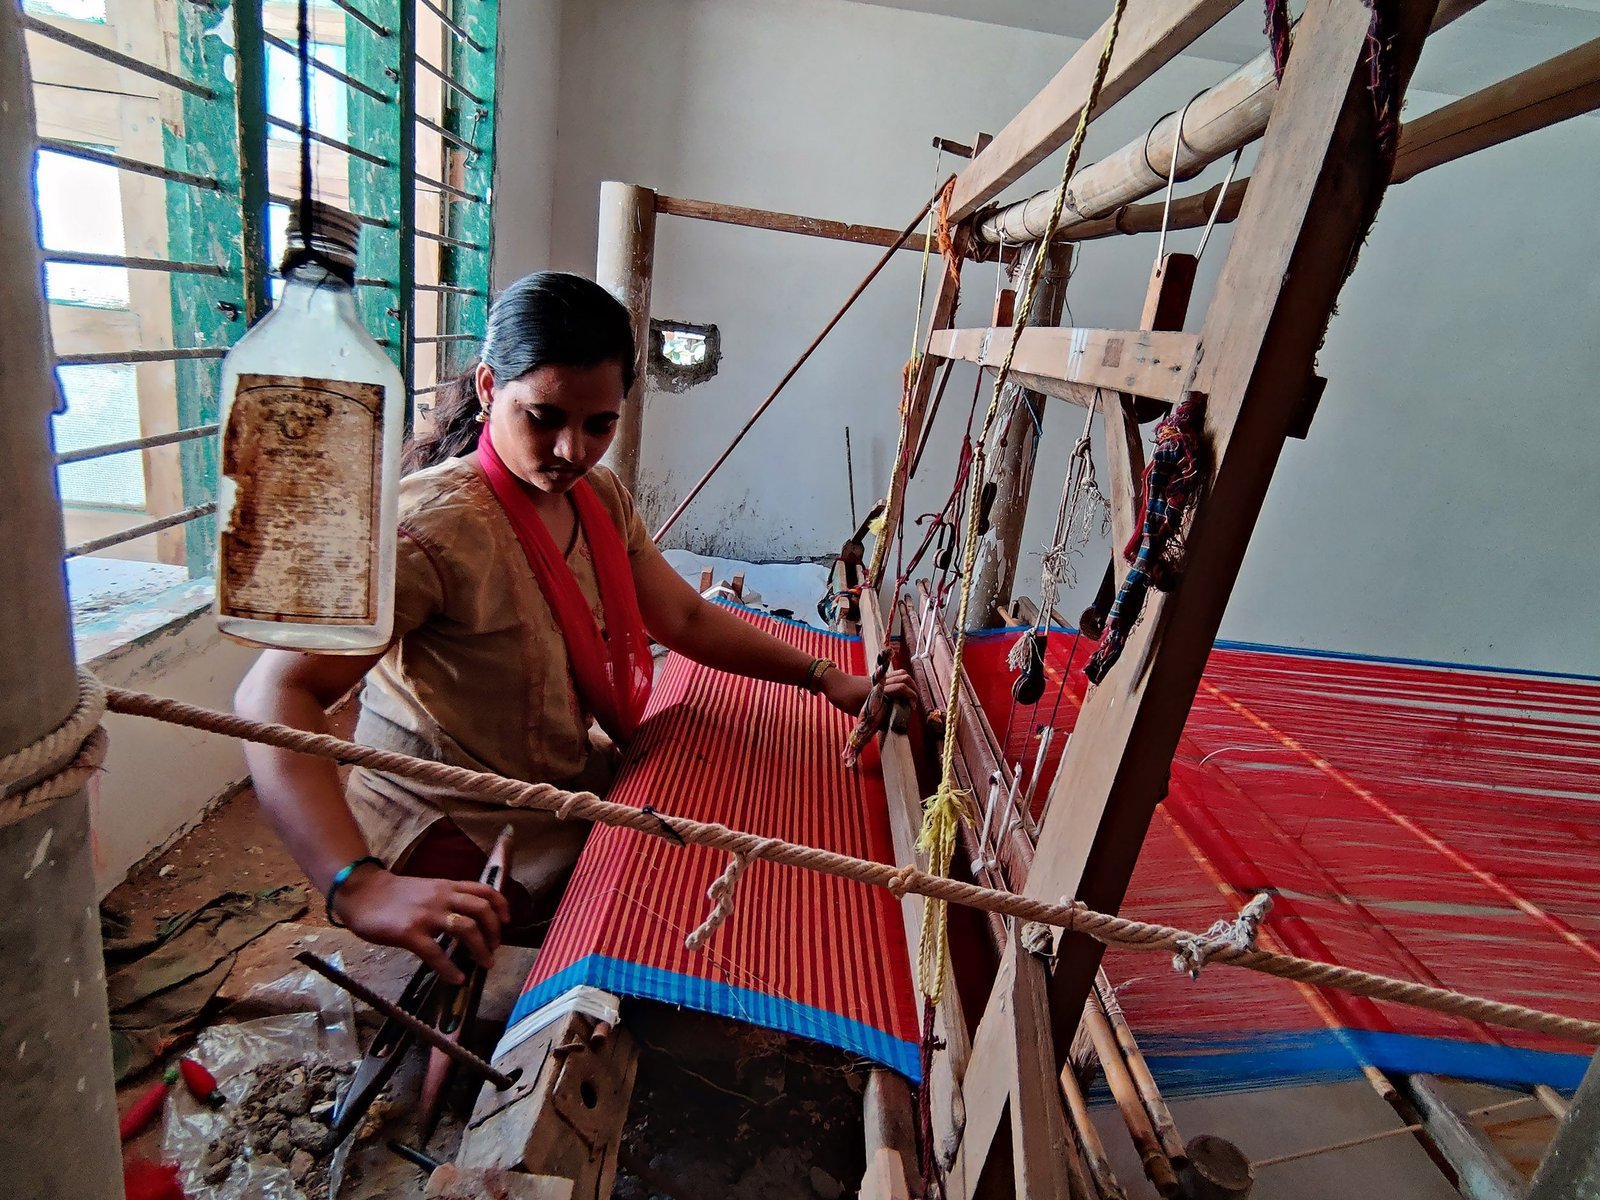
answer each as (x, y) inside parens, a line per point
(814, 673)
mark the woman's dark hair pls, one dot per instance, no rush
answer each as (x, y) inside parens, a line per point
(546, 319)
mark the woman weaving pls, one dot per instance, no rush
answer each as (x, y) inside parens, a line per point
(525, 587)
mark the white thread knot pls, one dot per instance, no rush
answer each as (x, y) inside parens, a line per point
(720, 893)
(1237, 935)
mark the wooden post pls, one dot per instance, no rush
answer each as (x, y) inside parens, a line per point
(626, 265)
(1482, 1173)
(890, 1122)
(1571, 1165)
(58, 1111)
(1317, 177)
(1011, 471)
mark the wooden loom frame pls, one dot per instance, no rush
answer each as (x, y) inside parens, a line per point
(1300, 217)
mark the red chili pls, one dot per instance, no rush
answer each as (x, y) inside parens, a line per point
(148, 1106)
(202, 1084)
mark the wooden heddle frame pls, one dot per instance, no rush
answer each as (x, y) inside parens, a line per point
(1000, 1107)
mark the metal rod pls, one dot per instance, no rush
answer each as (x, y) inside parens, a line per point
(1380, 1135)
(77, 259)
(381, 30)
(451, 288)
(447, 337)
(449, 80)
(414, 1156)
(332, 143)
(375, 222)
(377, 283)
(138, 531)
(122, 163)
(102, 358)
(106, 54)
(331, 71)
(447, 239)
(448, 189)
(453, 27)
(453, 1050)
(454, 139)
(883, 261)
(144, 443)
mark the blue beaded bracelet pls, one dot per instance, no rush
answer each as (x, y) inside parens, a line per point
(342, 877)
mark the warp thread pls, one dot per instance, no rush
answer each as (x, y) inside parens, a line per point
(720, 893)
(1238, 935)
(1155, 552)
(1278, 35)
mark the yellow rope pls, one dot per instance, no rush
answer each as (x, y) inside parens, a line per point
(943, 810)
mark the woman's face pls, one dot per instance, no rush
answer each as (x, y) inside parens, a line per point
(554, 423)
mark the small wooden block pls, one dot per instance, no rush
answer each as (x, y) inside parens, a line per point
(451, 1182)
(705, 580)
(1005, 308)
(738, 585)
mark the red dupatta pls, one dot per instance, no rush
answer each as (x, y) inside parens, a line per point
(612, 670)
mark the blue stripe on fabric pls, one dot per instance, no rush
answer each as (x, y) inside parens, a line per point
(725, 1000)
(1205, 1066)
(1341, 655)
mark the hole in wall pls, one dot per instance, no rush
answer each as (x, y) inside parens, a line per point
(682, 354)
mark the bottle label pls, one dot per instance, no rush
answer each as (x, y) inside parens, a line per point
(306, 459)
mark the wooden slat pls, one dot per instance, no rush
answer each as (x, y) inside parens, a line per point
(1070, 363)
(1564, 87)
(1316, 175)
(781, 222)
(1152, 34)
(1044, 1159)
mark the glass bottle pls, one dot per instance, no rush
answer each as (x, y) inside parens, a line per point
(313, 414)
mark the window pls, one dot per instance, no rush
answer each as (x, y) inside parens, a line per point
(327, 93)
(682, 355)
(80, 209)
(102, 405)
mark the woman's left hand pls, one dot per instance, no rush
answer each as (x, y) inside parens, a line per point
(848, 693)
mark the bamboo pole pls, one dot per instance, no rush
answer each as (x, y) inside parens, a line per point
(782, 222)
(626, 265)
(1139, 1071)
(1094, 1151)
(1158, 1166)
(58, 1111)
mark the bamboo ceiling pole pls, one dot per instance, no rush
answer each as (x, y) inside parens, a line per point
(58, 1111)
(1216, 122)
(625, 266)
(1158, 1167)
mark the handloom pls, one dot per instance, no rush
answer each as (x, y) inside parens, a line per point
(1372, 800)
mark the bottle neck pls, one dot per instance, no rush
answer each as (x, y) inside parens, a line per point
(311, 287)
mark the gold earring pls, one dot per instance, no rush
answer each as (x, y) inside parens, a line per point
(483, 415)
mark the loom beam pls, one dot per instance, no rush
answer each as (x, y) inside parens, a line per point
(625, 265)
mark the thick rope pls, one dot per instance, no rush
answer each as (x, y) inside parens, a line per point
(1072, 917)
(943, 810)
(719, 893)
(60, 761)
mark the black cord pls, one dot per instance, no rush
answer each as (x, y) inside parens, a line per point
(305, 121)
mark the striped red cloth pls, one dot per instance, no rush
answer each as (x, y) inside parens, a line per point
(804, 953)
(1425, 820)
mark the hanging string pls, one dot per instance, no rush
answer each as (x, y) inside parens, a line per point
(304, 51)
(944, 810)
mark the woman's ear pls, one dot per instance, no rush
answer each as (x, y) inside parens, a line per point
(483, 383)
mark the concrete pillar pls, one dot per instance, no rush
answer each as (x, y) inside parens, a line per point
(626, 264)
(58, 1113)
(1571, 1165)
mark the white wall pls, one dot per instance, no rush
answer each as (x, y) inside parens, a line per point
(529, 72)
(1436, 509)
(160, 779)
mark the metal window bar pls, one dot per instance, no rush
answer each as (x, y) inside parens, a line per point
(447, 240)
(447, 337)
(331, 142)
(461, 33)
(144, 443)
(119, 357)
(454, 139)
(450, 289)
(375, 222)
(78, 259)
(123, 163)
(128, 63)
(332, 72)
(447, 189)
(353, 11)
(450, 81)
(134, 533)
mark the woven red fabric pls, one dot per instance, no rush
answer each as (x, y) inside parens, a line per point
(805, 953)
(1428, 821)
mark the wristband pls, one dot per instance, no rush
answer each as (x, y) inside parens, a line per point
(342, 877)
(814, 673)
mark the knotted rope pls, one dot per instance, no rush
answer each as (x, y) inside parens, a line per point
(60, 761)
(720, 893)
(1194, 951)
(1073, 917)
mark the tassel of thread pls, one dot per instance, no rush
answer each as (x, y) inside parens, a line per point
(1277, 31)
(941, 818)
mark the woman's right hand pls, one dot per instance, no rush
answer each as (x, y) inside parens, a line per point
(408, 912)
